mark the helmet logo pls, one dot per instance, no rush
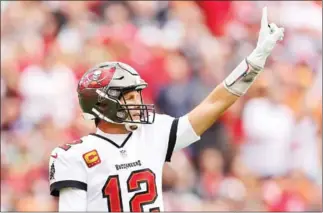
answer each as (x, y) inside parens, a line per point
(97, 78)
(96, 75)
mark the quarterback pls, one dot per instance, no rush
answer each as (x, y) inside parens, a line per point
(119, 167)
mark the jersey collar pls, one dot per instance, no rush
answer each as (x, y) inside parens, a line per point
(118, 140)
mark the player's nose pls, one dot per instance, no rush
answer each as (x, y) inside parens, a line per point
(137, 101)
(135, 104)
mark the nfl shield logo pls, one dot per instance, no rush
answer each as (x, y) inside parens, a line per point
(123, 153)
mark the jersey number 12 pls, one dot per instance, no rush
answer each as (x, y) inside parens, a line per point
(112, 191)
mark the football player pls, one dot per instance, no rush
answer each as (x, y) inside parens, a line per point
(119, 168)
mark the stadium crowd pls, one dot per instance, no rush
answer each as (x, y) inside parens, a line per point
(264, 153)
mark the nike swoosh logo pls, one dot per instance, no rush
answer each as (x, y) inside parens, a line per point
(54, 156)
(120, 78)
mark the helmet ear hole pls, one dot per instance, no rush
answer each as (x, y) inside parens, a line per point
(100, 104)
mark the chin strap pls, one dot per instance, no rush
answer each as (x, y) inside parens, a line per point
(132, 127)
(129, 126)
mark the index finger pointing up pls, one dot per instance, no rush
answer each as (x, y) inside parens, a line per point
(264, 18)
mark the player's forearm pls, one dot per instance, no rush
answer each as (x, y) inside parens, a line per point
(223, 96)
(204, 115)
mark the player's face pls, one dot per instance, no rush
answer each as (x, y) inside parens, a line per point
(132, 97)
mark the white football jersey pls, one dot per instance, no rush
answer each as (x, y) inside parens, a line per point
(118, 172)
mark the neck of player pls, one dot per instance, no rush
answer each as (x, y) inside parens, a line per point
(112, 128)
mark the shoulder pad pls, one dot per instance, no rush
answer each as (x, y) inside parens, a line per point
(67, 149)
(67, 146)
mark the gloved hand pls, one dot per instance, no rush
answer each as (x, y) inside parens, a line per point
(269, 35)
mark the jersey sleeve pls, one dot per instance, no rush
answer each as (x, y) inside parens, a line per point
(181, 134)
(185, 135)
(72, 199)
(66, 169)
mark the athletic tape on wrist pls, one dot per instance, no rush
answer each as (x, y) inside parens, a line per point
(241, 78)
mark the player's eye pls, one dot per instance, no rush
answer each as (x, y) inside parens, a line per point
(130, 96)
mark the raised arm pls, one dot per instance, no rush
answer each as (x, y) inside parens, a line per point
(239, 81)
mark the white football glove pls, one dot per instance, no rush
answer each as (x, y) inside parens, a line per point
(268, 37)
(242, 77)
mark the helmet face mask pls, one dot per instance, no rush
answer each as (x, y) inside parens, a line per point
(146, 111)
(123, 112)
(107, 101)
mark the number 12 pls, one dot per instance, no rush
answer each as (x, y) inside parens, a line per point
(112, 191)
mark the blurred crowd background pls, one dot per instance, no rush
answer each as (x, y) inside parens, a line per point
(263, 154)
